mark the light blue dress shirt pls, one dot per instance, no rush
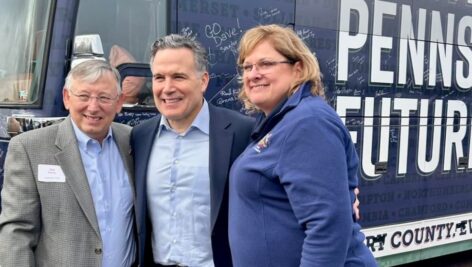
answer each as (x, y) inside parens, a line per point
(178, 194)
(112, 197)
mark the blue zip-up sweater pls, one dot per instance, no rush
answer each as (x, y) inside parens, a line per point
(291, 190)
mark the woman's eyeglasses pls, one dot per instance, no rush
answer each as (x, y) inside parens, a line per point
(262, 67)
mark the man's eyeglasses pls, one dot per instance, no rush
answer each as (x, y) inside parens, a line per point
(103, 99)
(262, 66)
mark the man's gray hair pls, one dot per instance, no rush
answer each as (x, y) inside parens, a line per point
(90, 71)
(176, 41)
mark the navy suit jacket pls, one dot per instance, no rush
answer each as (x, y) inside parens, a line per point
(229, 136)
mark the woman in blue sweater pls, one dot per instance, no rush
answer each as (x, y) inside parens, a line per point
(291, 190)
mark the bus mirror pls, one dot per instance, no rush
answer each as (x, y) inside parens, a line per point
(88, 46)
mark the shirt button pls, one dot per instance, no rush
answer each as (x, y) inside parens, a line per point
(176, 162)
(174, 241)
(98, 251)
(174, 214)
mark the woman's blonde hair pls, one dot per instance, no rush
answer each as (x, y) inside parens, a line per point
(286, 42)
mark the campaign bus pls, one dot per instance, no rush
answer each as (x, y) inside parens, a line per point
(398, 72)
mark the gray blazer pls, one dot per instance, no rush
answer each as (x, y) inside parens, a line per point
(51, 223)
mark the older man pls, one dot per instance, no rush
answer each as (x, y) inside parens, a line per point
(68, 198)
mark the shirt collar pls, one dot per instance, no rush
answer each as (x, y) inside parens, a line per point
(201, 121)
(265, 123)
(83, 139)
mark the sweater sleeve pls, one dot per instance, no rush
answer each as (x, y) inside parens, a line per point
(314, 173)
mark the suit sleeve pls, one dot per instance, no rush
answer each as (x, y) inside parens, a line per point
(20, 218)
(313, 170)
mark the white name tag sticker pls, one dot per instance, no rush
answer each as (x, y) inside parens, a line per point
(50, 174)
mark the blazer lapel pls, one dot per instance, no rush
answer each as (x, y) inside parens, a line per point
(221, 138)
(142, 146)
(71, 163)
(122, 140)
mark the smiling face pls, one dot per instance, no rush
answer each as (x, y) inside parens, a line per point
(177, 86)
(267, 88)
(92, 117)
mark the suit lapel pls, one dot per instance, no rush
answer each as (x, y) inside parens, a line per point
(143, 143)
(122, 141)
(221, 138)
(71, 163)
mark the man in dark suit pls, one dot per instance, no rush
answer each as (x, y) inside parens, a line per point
(182, 159)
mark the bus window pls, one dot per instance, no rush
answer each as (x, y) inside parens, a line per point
(23, 25)
(127, 29)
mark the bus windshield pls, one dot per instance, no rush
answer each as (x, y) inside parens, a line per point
(126, 30)
(23, 25)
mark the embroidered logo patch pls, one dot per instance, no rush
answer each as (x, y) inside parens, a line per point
(263, 143)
